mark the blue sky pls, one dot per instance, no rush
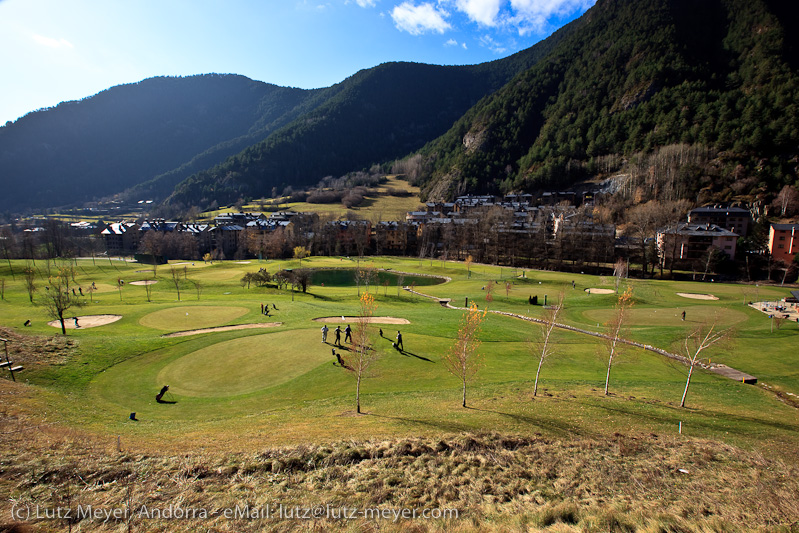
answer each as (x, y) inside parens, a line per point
(57, 50)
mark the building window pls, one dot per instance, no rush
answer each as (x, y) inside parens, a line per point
(781, 246)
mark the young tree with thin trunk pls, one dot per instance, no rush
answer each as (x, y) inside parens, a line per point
(58, 300)
(619, 272)
(300, 253)
(463, 360)
(148, 289)
(697, 341)
(120, 283)
(176, 280)
(544, 347)
(363, 354)
(30, 281)
(400, 281)
(198, 286)
(469, 261)
(614, 329)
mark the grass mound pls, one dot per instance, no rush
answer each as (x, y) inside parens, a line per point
(486, 482)
(36, 350)
(243, 365)
(191, 317)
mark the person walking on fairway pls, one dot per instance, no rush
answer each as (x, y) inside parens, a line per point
(348, 333)
(76, 322)
(324, 333)
(683, 316)
(400, 347)
(338, 335)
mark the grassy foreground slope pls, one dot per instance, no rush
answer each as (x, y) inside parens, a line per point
(570, 452)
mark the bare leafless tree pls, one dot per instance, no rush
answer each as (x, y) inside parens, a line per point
(30, 280)
(696, 342)
(463, 360)
(363, 354)
(544, 346)
(58, 299)
(614, 329)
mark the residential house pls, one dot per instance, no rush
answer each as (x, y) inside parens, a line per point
(783, 241)
(687, 241)
(735, 219)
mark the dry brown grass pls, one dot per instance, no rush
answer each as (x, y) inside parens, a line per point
(497, 482)
(35, 350)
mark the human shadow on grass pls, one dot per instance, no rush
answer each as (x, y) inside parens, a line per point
(553, 426)
(407, 353)
(167, 402)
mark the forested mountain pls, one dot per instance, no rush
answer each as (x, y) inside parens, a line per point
(711, 86)
(131, 133)
(376, 115)
(717, 77)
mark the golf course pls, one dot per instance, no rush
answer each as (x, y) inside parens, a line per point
(241, 382)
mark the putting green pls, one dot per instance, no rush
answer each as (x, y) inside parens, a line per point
(218, 274)
(670, 316)
(244, 365)
(191, 317)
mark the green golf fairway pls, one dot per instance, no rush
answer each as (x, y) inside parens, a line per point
(195, 317)
(669, 316)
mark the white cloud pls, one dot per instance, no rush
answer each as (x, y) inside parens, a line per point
(492, 45)
(464, 46)
(52, 43)
(481, 11)
(419, 19)
(533, 15)
(451, 42)
(365, 3)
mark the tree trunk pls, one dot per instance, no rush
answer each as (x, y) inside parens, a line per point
(63, 327)
(537, 373)
(464, 393)
(358, 395)
(607, 377)
(687, 383)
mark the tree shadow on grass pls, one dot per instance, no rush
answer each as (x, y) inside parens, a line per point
(556, 427)
(447, 426)
(708, 420)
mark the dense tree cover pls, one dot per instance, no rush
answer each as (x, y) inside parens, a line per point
(101, 145)
(376, 115)
(635, 76)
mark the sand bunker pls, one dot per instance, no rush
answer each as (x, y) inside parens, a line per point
(242, 262)
(223, 328)
(373, 320)
(594, 290)
(697, 296)
(88, 321)
(144, 282)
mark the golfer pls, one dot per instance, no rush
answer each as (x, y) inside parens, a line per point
(338, 335)
(324, 333)
(400, 347)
